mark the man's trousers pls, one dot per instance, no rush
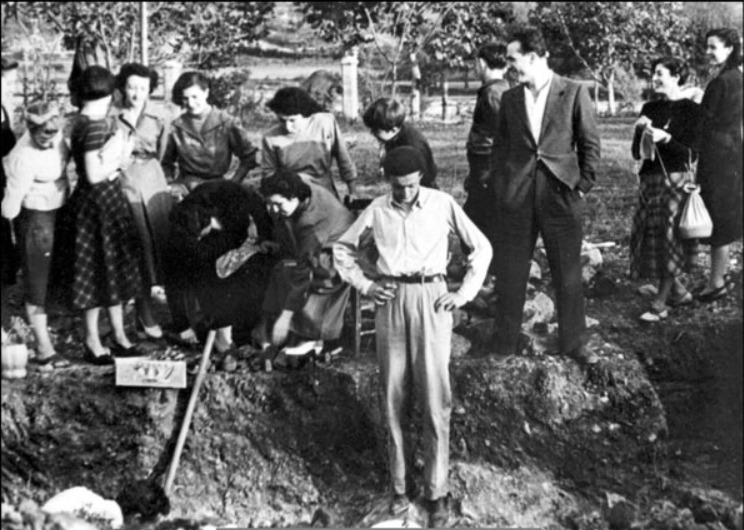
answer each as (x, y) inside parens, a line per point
(413, 349)
(547, 206)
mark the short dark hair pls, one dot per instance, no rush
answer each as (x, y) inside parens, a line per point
(94, 83)
(285, 183)
(676, 67)
(730, 38)
(384, 115)
(530, 39)
(187, 80)
(494, 54)
(140, 70)
(292, 100)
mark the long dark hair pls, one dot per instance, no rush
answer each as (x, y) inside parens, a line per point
(730, 39)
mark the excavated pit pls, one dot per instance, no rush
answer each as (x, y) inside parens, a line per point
(536, 441)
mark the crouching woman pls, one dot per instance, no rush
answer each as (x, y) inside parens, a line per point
(305, 296)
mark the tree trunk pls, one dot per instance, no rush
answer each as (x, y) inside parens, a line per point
(395, 79)
(611, 94)
(596, 96)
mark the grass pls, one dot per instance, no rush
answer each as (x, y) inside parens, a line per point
(610, 204)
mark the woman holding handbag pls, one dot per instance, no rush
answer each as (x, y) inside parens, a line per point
(720, 166)
(664, 136)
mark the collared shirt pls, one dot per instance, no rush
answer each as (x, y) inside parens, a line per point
(35, 177)
(536, 106)
(150, 131)
(413, 242)
(310, 152)
(207, 153)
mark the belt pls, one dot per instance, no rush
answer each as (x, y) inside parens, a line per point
(416, 278)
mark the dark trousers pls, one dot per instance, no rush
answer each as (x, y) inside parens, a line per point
(36, 241)
(546, 206)
(479, 204)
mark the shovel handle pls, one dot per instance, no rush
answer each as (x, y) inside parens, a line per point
(201, 374)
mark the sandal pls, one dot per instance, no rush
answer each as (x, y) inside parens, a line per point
(51, 362)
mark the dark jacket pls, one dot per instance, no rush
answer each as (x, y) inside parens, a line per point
(485, 117)
(569, 139)
(191, 258)
(318, 221)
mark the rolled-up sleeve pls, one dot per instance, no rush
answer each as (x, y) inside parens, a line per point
(346, 252)
(20, 179)
(479, 258)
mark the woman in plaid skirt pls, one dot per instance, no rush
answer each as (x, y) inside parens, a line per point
(664, 134)
(107, 247)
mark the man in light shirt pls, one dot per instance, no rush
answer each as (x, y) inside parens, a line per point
(410, 227)
(544, 159)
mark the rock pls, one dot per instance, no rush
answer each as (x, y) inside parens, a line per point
(540, 309)
(82, 500)
(621, 516)
(460, 346)
(587, 274)
(591, 322)
(601, 286)
(535, 271)
(591, 257)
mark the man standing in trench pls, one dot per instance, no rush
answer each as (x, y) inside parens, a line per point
(410, 227)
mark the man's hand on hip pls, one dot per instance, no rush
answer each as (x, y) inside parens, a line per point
(382, 293)
(449, 302)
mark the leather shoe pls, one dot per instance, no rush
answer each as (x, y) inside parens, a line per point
(715, 294)
(99, 360)
(583, 357)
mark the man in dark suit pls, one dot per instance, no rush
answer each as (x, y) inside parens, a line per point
(545, 156)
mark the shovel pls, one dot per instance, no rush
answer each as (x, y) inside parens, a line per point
(201, 374)
(146, 497)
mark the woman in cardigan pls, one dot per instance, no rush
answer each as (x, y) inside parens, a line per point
(667, 127)
(143, 180)
(306, 141)
(36, 189)
(720, 166)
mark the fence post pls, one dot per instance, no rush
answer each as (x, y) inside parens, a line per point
(351, 89)
(171, 70)
(415, 88)
(445, 98)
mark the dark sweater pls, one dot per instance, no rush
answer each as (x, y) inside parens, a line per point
(410, 136)
(681, 119)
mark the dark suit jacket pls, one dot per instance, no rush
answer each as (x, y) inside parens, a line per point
(569, 140)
